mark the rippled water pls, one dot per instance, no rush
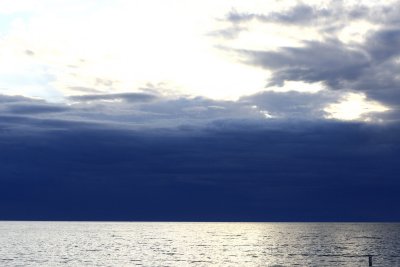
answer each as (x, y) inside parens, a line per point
(197, 244)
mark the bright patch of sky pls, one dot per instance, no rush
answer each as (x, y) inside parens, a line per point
(55, 49)
(354, 107)
(128, 44)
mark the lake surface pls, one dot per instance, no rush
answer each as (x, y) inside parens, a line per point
(197, 244)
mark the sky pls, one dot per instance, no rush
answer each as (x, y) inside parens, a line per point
(170, 110)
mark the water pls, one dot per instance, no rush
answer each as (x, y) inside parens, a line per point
(197, 244)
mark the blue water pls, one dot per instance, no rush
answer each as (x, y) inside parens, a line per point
(197, 244)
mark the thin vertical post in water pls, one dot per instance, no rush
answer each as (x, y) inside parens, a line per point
(369, 260)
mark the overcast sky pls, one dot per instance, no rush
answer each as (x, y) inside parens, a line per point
(199, 110)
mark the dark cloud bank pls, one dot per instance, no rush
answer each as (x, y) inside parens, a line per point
(55, 168)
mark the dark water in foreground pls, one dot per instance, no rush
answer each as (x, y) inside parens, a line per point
(197, 244)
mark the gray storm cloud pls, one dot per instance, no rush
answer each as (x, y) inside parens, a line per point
(371, 66)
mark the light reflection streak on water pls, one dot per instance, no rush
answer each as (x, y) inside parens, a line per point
(197, 244)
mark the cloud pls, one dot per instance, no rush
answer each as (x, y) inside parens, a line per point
(330, 16)
(293, 105)
(369, 65)
(371, 68)
(129, 97)
(222, 172)
(149, 110)
(230, 32)
(84, 89)
(299, 14)
(334, 64)
(188, 158)
(29, 52)
(13, 99)
(35, 109)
